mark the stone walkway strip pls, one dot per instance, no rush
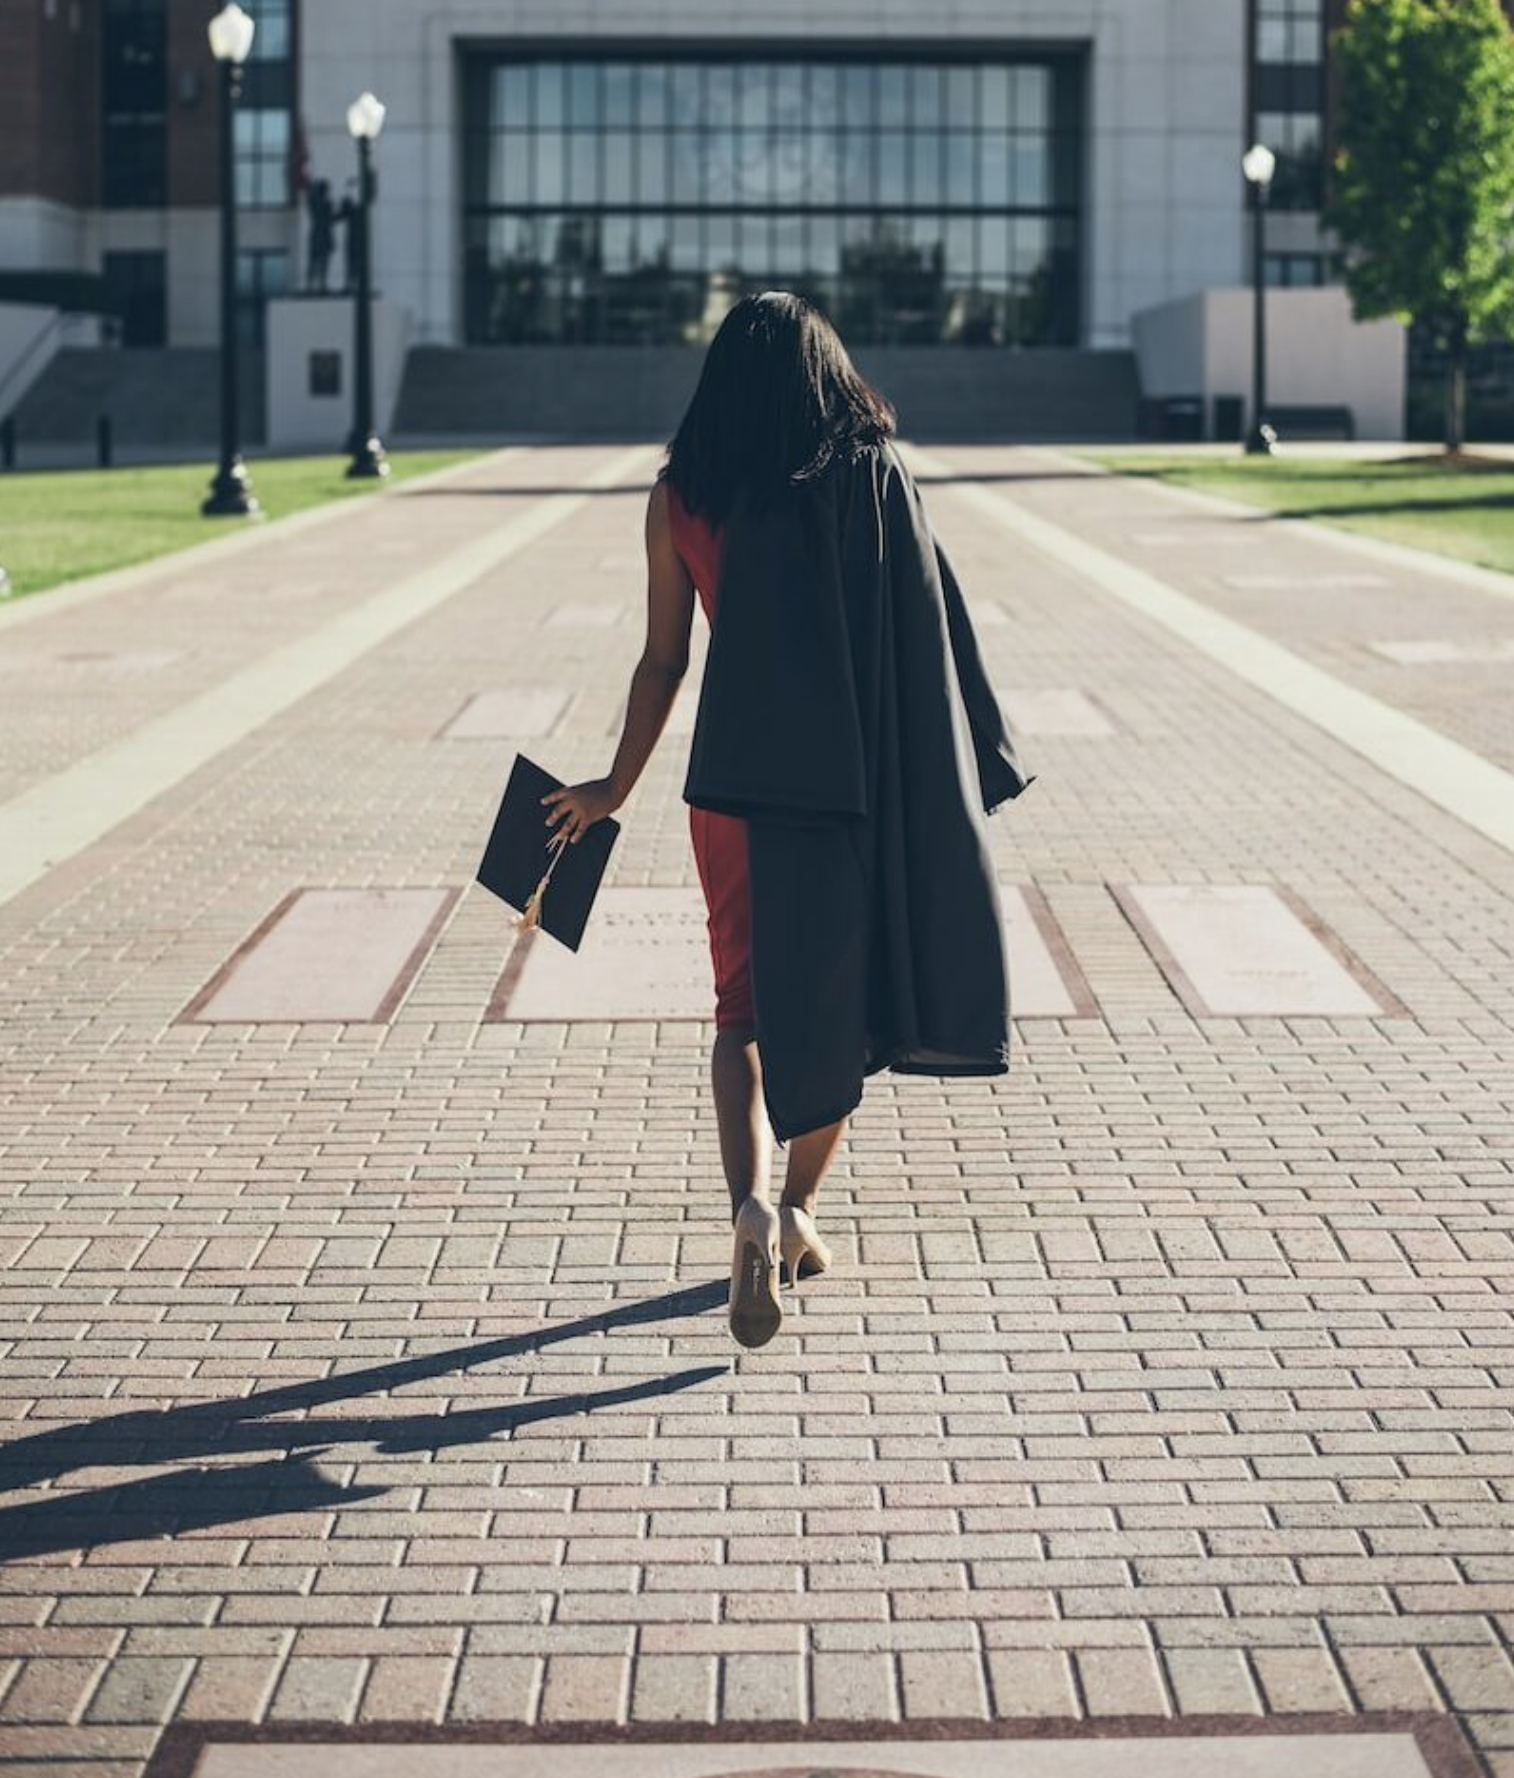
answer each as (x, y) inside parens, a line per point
(1445, 773)
(54, 819)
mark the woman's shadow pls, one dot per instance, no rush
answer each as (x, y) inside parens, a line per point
(197, 1498)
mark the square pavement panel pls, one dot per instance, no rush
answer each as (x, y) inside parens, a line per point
(1047, 710)
(1195, 538)
(584, 615)
(646, 955)
(1239, 950)
(509, 714)
(1434, 653)
(1376, 1746)
(680, 717)
(1284, 583)
(326, 956)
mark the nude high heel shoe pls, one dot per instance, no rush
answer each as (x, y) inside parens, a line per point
(755, 1311)
(804, 1253)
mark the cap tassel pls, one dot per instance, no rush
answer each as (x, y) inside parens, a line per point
(530, 915)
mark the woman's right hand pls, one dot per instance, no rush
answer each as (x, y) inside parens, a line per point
(576, 807)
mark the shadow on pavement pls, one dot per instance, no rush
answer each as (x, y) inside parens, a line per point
(1388, 509)
(197, 1499)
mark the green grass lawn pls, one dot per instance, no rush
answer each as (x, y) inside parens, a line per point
(1463, 509)
(57, 525)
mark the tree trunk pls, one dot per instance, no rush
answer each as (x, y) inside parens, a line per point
(1456, 386)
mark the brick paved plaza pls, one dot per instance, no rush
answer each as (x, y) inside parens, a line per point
(365, 1357)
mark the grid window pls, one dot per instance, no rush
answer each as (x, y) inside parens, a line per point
(1295, 270)
(270, 41)
(1294, 137)
(264, 126)
(262, 272)
(262, 158)
(1289, 31)
(632, 198)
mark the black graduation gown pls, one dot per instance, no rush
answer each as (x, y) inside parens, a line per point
(846, 715)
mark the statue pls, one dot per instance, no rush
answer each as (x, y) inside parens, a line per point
(322, 235)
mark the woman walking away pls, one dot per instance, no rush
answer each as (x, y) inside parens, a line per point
(846, 749)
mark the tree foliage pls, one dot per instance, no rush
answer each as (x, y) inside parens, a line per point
(1423, 188)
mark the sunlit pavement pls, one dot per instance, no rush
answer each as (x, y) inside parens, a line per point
(364, 1278)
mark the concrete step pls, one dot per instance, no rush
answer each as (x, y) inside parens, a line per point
(642, 391)
(154, 396)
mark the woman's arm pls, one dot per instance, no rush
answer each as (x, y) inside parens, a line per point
(654, 684)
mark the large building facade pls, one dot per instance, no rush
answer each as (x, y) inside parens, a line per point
(990, 174)
(1013, 174)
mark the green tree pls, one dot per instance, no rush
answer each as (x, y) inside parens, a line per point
(1423, 193)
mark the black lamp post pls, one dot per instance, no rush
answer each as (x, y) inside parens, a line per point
(365, 118)
(231, 494)
(1258, 164)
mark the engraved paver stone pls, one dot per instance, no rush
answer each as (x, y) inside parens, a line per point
(1054, 710)
(1240, 949)
(1098, 1751)
(645, 955)
(327, 955)
(508, 713)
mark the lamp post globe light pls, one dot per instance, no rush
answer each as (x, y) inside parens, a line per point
(1258, 164)
(365, 118)
(231, 32)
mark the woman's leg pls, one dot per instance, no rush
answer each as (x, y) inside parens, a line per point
(809, 1157)
(745, 1140)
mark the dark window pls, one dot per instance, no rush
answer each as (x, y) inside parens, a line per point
(262, 272)
(136, 291)
(1288, 98)
(1294, 137)
(134, 102)
(1295, 269)
(633, 200)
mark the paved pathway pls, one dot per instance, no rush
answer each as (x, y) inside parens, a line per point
(376, 1372)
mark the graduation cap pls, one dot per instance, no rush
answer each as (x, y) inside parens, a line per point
(534, 868)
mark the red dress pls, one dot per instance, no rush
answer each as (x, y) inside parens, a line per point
(720, 842)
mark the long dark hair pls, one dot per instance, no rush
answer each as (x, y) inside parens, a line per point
(778, 398)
